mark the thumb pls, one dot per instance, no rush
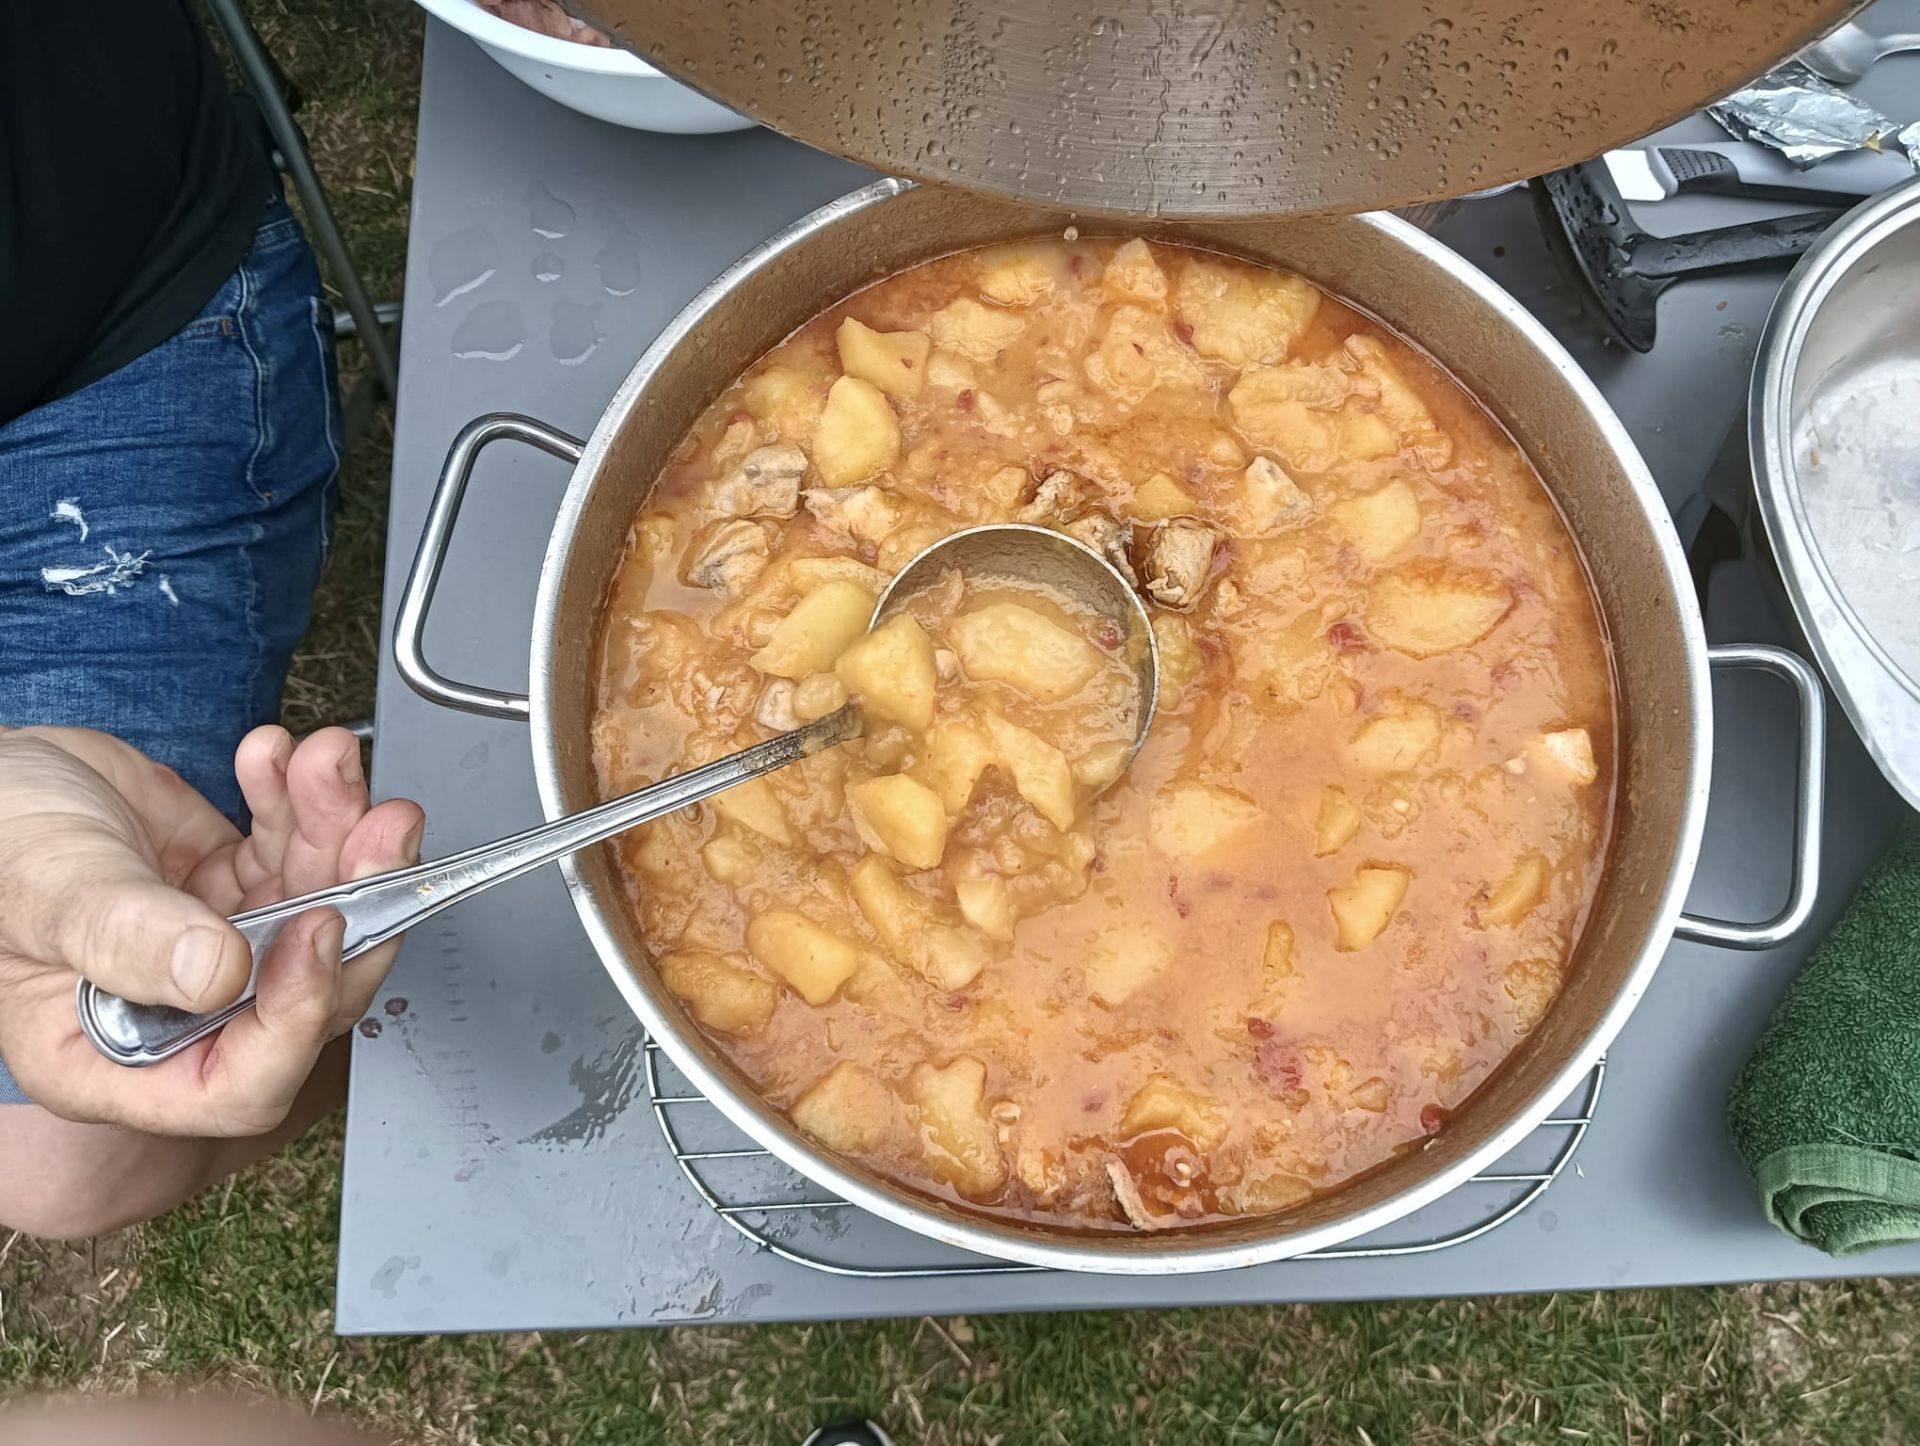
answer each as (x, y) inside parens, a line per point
(96, 906)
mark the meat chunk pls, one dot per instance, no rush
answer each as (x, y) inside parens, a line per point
(1060, 497)
(728, 555)
(1268, 500)
(1107, 536)
(765, 484)
(1127, 1193)
(776, 706)
(1178, 562)
(864, 514)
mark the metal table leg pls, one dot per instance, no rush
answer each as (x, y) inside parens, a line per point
(258, 70)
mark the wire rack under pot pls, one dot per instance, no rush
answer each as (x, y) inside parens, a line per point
(780, 1210)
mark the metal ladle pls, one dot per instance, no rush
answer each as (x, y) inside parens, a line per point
(382, 907)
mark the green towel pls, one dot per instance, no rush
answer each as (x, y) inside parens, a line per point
(1827, 1112)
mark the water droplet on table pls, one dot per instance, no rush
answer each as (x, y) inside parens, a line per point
(619, 262)
(492, 331)
(460, 262)
(548, 266)
(549, 216)
(575, 331)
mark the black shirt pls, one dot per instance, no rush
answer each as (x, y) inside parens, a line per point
(131, 183)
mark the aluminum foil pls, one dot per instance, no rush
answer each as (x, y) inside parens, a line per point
(1805, 118)
(1908, 139)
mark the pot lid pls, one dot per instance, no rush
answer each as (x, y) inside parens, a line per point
(1215, 107)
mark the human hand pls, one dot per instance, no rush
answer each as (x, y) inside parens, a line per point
(113, 868)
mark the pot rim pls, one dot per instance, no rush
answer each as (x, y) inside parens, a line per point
(1181, 1252)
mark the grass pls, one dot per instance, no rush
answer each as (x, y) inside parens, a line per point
(236, 1289)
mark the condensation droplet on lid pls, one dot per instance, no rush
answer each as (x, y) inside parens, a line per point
(547, 266)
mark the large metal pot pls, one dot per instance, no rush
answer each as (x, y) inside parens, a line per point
(1415, 285)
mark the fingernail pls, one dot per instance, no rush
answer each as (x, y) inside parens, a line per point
(196, 955)
(410, 845)
(350, 771)
(330, 936)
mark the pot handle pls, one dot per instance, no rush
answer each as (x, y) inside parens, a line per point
(410, 626)
(1809, 803)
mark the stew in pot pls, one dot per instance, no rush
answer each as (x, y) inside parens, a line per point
(1339, 883)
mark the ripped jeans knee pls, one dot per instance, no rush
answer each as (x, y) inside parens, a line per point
(162, 530)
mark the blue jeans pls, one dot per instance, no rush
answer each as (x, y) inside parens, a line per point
(161, 530)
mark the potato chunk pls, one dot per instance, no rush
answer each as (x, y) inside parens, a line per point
(1133, 275)
(857, 436)
(755, 805)
(1268, 1192)
(846, 1109)
(1427, 610)
(894, 361)
(811, 638)
(1566, 755)
(1371, 1095)
(1163, 1103)
(720, 994)
(1366, 906)
(787, 398)
(1136, 353)
(1295, 411)
(1040, 771)
(1339, 821)
(1291, 666)
(1399, 403)
(813, 960)
(1381, 522)
(1015, 275)
(987, 904)
(1516, 895)
(950, 371)
(1398, 741)
(962, 1149)
(977, 332)
(891, 672)
(817, 695)
(958, 753)
(900, 818)
(1240, 314)
(1181, 660)
(1120, 962)
(1160, 497)
(1004, 642)
(911, 926)
(1193, 818)
(729, 858)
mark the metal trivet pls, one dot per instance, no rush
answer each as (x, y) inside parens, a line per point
(780, 1210)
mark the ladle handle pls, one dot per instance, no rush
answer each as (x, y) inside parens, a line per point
(379, 908)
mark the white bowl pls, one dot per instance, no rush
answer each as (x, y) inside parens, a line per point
(609, 84)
